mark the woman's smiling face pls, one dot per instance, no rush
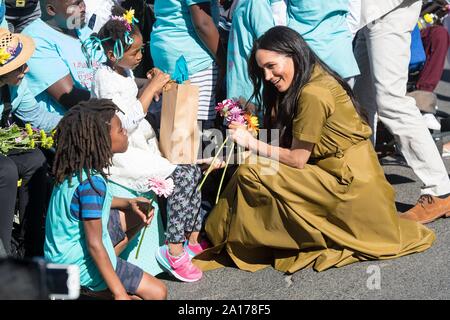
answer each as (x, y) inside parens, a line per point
(278, 68)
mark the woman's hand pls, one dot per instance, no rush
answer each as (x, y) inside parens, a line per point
(157, 80)
(241, 135)
(142, 207)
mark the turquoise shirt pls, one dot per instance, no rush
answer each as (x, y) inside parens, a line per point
(251, 19)
(3, 22)
(26, 108)
(56, 56)
(174, 35)
(65, 240)
(322, 23)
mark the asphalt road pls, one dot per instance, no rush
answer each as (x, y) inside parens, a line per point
(419, 276)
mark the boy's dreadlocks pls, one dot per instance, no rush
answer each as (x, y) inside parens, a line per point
(83, 141)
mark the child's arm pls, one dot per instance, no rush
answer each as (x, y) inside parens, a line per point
(93, 232)
(157, 80)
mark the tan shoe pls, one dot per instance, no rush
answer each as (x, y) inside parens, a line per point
(428, 209)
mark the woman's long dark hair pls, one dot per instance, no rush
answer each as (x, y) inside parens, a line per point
(280, 108)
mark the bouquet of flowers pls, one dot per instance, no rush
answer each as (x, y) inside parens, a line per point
(232, 111)
(162, 188)
(17, 138)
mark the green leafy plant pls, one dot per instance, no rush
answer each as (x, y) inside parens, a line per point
(17, 138)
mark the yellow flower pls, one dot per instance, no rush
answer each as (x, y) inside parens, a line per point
(48, 143)
(32, 143)
(129, 16)
(53, 132)
(19, 183)
(29, 129)
(4, 56)
(43, 136)
(428, 18)
(252, 122)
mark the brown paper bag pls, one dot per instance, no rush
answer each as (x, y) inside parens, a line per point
(179, 138)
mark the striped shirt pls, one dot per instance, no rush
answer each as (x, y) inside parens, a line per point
(87, 203)
(206, 80)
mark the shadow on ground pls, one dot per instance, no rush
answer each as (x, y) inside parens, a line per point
(397, 179)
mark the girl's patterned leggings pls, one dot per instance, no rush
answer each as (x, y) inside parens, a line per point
(183, 205)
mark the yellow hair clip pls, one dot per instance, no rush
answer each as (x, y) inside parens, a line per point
(129, 16)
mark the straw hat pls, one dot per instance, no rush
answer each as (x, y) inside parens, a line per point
(15, 50)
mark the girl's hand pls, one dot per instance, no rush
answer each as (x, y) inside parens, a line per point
(157, 80)
(205, 163)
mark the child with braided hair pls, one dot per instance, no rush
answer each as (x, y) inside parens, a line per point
(131, 171)
(84, 225)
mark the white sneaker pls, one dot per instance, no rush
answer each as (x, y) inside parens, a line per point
(431, 121)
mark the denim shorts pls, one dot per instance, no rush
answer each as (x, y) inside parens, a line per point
(129, 274)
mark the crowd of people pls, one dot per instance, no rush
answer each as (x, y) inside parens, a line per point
(322, 74)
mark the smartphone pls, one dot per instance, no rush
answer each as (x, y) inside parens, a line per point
(63, 281)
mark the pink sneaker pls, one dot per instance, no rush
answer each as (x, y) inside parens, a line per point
(180, 267)
(196, 249)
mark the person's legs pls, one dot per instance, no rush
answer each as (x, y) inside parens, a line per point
(436, 41)
(388, 43)
(32, 168)
(194, 218)
(364, 85)
(8, 192)
(180, 205)
(183, 207)
(151, 288)
(137, 283)
(122, 228)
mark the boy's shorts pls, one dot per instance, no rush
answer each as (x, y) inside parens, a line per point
(129, 274)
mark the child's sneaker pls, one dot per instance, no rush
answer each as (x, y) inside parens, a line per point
(196, 249)
(181, 267)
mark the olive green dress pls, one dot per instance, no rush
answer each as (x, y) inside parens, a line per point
(337, 210)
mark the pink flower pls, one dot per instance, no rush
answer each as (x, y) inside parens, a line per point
(235, 115)
(161, 187)
(226, 106)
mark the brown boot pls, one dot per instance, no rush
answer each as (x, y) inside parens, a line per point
(428, 209)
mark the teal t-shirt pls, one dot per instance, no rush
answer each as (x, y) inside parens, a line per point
(251, 19)
(65, 241)
(3, 22)
(173, 35)
(56, 56)
(26, 108)
(323, 25)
